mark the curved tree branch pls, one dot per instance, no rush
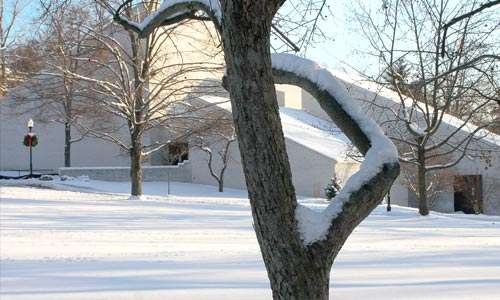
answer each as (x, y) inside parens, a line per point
(365, 189)
(461, 17)
(170, 14)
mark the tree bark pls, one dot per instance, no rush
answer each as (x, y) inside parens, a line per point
(67, 144)
(423, 204)
(136, 167)
(221, 186)
(294, 272)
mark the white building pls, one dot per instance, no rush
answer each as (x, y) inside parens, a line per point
(317, 151)
(473, 179)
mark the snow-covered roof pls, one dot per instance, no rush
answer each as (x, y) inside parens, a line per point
(379, 90)
(305, 129)
(314, 133)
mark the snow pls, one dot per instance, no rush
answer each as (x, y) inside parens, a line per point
(418, 130)
(221, 102)
(313, 226)
(316, 134)
(88, 241)
(379, 90)
(213, 5)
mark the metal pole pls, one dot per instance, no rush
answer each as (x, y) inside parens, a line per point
(31, 155)
(168, 181)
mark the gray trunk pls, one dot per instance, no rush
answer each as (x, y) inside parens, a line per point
(136, 169)
(67, 145)
(293, 272)
(423, 203)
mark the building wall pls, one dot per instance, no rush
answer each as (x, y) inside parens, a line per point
(233, 177)
(344, 170)
(490, 179)
(195, 58)
(180, 173)
(192, 42)
(289, 96)
(311, 171)
(399, 193)
(444, 202)
(49, 153)
(310, 105)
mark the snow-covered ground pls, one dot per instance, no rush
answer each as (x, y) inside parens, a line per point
(87, 240)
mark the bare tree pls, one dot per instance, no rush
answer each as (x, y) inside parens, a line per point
(51, 93)
(9, 15)
(298, 262)
(435, 88)
(142, 83)
(475, 10)
(215, 141)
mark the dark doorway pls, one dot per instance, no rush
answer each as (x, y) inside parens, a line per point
(177, 153)
(468, 195)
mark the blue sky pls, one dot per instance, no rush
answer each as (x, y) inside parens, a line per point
(339, 53)
(342, 53)
(28, 9)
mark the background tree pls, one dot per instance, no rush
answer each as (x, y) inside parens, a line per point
(142, 84)
(10, 34)
(216, 140)
(52, 94)
(462, 81)
(298, 261)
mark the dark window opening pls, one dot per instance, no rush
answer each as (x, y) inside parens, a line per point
(468, 194)
(177, 153)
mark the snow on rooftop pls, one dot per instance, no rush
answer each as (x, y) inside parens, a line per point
(305, 129)
(221, 102)
(379, 90)
(314, 133)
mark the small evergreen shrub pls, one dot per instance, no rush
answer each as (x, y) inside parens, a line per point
(332, 189)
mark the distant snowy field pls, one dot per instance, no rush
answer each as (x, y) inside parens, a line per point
(87, 240)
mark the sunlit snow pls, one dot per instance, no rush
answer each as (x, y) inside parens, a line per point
(91, 242)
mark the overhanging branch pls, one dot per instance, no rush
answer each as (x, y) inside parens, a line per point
(167, 15)
(464, 16)
(366, 188)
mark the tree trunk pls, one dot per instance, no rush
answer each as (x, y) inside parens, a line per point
(136, 167)
(293, 271)
(221, 186)
(423, 204)
(67, 144)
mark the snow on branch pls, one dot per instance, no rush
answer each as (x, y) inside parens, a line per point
(172, 11)
(379, 168)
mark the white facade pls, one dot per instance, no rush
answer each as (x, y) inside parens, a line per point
(313, 162)
(316, 153)
(369, 94)
(311, 170)
(49, 153)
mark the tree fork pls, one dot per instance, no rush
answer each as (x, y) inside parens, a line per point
(295, 270)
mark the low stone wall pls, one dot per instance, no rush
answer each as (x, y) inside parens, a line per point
(181, 173)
